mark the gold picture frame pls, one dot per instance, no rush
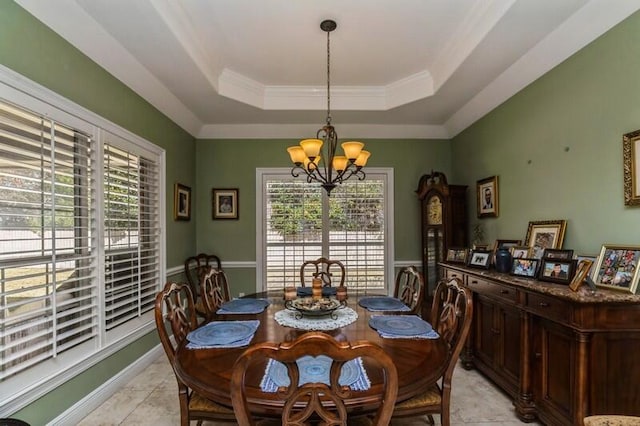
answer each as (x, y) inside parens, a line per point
(487, 197)
(582, 272)
(181, 202)
(631, 164)
(617, 268)
(225, 203)
(545, 234)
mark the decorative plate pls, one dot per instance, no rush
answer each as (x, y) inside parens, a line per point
(382, 303)
(245, 305)
(307, 291)
(309, 306)
(316, 370)
(221, 333)
(400, 325)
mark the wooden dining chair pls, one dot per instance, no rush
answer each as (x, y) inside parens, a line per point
(179, 319)
(315, 400)
(410, 288)
(214, 290)
(322, 268)
(451, 316)
(193, 268)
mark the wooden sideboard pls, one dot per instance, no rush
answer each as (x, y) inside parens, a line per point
(561, 355)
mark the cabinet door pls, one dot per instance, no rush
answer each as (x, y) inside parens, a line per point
(554, 358)
(508, 361)
(485, 330)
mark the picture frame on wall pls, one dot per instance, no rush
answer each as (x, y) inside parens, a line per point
(525, 267)
(487, 197)
(545, 234)
(181, 202)
(631, 165)
(225, 203)
(555, 270)
(617, 268)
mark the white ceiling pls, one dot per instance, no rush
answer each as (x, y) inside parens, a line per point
(257, 68)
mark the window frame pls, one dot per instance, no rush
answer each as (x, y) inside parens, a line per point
(262, 174)
(26, 387)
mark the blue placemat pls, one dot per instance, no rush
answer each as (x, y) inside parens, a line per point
(402, 327)
(308, 291)
(383, 303)
(223, 334)
(243, 306)
(315, 370)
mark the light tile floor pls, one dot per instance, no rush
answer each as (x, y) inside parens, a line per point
(151, 399)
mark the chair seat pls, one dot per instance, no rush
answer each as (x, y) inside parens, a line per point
(428, 398)
(611, 420)
(198, 403)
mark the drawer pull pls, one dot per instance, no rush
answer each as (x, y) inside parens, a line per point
(474, 282)
(544, 304)
(504, 291)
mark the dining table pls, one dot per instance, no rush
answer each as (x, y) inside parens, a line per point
(419, 362)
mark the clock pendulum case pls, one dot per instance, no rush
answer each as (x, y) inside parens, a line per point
(444, 223)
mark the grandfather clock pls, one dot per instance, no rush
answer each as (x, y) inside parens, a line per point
(444, 223)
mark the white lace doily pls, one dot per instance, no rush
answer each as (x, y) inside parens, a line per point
(345, 317)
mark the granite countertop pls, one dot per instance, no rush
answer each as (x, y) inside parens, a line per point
(583, 295)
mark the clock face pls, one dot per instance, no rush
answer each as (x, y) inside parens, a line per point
(434, 211)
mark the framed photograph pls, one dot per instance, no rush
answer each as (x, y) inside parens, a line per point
(481, 246)
(557, 254)
(457, 255)
(507, 244)
(617, 268)
(225, 203)
(557, 271)
(181, 202)
(582, 272)
(631, 164)
(592, 257)
(525, 267)
(480, 259)
(545, 234)
(520, 252)
(487, 195)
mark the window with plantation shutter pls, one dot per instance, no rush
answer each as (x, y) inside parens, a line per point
(81, 239)
(300, 222)
(48, 286)
(132, 233)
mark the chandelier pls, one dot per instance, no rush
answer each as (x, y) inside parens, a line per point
(308, 157)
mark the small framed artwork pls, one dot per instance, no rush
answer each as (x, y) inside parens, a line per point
(582, 272)
(181, 202)
(480, 259)
(631, 165)
(558, 271)
(457, 255)
(507, 244)
(557, 254)
(520, 252)
(525, 267)
(545, 234)
(481, 246)
(487, 195)
(617, 268)
(592, 257)
(225, 203)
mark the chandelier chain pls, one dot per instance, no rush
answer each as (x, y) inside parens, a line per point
(328, 77)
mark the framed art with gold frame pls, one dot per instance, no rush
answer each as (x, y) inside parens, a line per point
(457, 255)
(520, 252)
(631, 164)
(225, 203)
(181, 202)
(487, 196)
(545, 234)
(617, 268)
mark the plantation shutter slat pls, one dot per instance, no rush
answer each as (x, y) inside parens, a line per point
(48, 277)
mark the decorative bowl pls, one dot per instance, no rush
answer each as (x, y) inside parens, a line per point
(308, 306)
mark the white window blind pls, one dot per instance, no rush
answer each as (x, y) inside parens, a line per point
(132, 234)
(302, 223)
(47, 268)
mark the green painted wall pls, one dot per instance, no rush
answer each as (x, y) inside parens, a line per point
(232, 164)
(557, 147)
(36, 52)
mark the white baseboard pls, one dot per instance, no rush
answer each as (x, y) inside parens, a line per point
(95, 399)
